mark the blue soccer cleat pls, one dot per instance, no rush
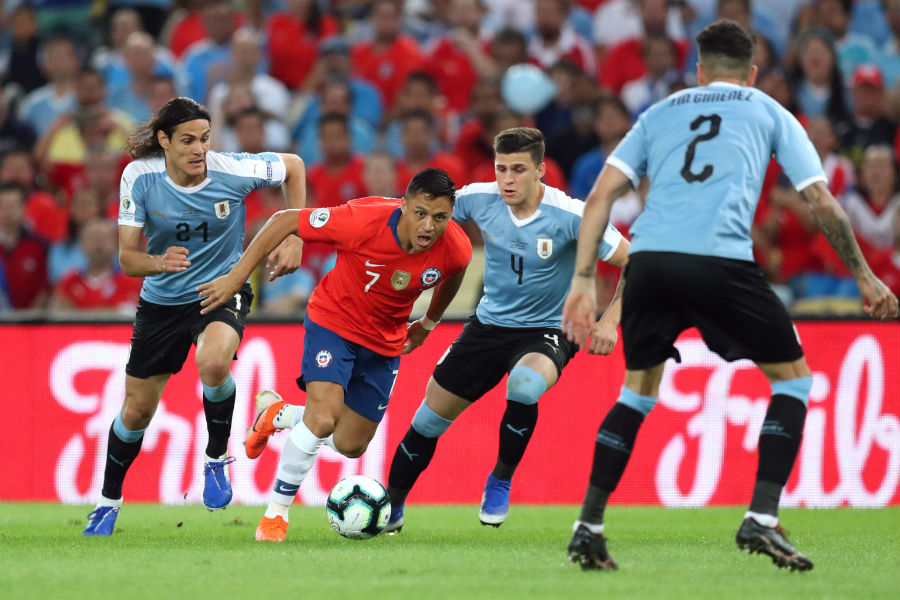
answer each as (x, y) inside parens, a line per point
(494, 502)
(102, 521)
(217, 483)
(395, 523)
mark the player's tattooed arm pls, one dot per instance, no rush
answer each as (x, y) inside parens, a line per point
(832, 221)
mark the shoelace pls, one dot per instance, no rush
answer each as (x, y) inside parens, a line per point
(218, 465)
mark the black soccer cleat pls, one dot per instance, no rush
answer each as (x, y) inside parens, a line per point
(589, 550)
(772, 541)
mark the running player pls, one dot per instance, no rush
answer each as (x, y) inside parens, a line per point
(705, 151)
(389, 251)
(189, 204)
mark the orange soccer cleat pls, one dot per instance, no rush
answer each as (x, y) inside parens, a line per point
(268, 404)
(271, 530)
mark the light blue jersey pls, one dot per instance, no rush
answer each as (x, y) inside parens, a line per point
(207, 219)
(528, 263)
(706, 151)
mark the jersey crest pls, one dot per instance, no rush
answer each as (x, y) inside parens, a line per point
(400, 279)
(323, 358)
(545, 247)
(430, 276)
(223, 209)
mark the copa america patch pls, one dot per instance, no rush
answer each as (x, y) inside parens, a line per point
(323, 358)
(126, 209)
(430, 276)
(319, 217)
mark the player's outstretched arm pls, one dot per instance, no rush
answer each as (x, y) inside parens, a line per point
(831, 220)
(579, 311)
(220, 290)
(605, 332)
(137, 263)
(287, 256)
(417, 331)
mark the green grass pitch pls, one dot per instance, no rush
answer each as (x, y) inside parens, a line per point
(442, 552)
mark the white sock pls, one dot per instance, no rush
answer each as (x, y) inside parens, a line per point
(762, 519)
(290, 415)
(277, 510)
(104, 501)
(595, 529)
(297, 458)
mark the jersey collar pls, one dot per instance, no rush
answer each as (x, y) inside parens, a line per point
(189, 190)
(725, 84)
(392, 223)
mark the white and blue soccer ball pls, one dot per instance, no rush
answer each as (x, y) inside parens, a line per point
(358, 507)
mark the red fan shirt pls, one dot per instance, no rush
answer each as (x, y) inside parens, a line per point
(454, 73)
(368, 295)
(441, 160)
(387, 70)
(114, 290)
(332, 188)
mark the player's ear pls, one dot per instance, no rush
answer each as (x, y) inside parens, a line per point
(541, 170)
(751, 77)
(163, 139)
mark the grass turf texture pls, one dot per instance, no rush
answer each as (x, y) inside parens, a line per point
(442, 552)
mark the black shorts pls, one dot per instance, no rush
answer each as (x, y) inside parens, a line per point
(483, 354)
(163, 333)
(729, 301)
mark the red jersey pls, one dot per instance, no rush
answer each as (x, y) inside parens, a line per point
(115, 290)
(26, 269)
(387, 70)
(368, 295)
(332, 188)
(441, 160)
(625, 62)
(454, 73)
(292, 49)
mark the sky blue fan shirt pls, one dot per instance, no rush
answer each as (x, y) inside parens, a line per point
(528, 263)
(706, 151)
(207, 219)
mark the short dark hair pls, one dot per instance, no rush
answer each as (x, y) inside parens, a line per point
(521, 139)
(435, 183)
(333, 117)
(418, 113)
(726, 45)
(173, 113)
(422, 77)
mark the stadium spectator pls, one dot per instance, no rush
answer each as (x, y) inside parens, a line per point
(22, 73)
(472, 146)
(457, 60)
(817, 79)
(206, 62)
(45, 215)
(616, 21)
(111, 62)
(67, 255)
(187, 26)
(175, 171)
(240, 98)
(838, 169)
(24, 255)
(338, 177)
(660, 56)
(14, 134)
(611, 122)
(98, 286)
(161, 91)
(60, 65)
(391, 56)
(336, 97)
(380, 176)
(867, 124)
(852, 48)
(246, 58)
(421, 149)
(132, 94)
(508, 47)
(556, 41)
(420, 93)
(874, 206)
(334, 64)
(556, 118)
(624, 62)
(293, 39)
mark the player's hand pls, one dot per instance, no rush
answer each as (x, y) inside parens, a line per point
(175, 259)
(882, 303)
(285, 258)
(415, 336)
(217, 292)
(604, 336)
(580, 310)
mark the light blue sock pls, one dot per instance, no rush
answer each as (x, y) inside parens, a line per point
(220, 392)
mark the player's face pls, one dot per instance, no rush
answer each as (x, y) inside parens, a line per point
(518, 177)
(424, 220)
(186, 151)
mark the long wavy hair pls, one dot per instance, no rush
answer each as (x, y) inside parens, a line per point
(144, 142)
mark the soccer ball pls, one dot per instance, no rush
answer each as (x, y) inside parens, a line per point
(358, 507)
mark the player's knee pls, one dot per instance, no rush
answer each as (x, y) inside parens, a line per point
(213, 370)
(525, 385)
(135, 417)
(321, 425)
(633, 400)
(350, 448)
(429, 423)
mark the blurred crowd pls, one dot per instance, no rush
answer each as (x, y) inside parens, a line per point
(367, 92)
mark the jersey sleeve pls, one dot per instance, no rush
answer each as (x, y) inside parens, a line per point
(132, 209)
(612, 237)
(337, 225)
(459, 252)
(262, 170)
(795, 152)
(630, 156)
(462, 206)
